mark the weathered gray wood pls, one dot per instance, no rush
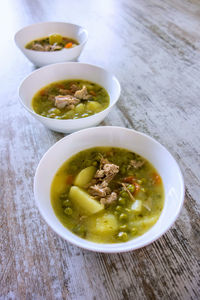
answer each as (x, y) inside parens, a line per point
(153, 47)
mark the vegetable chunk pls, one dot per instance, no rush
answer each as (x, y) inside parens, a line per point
(85, 176)
(137, 206)
(84, 202)
(106, 224)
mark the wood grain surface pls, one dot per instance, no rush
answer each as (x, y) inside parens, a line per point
(153, 47)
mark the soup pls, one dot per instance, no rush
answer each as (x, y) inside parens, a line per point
(107, 195)
(53, 42)
(70, 99)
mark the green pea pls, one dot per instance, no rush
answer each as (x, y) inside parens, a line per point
(131, 188)
(66, 202)
(121, 200)
(124, 194)
(63, 196)
(119, 208)
(123, 217)
(123, 227)
(122, 236)
(68, 211)
(95, 163)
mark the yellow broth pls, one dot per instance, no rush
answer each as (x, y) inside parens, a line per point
(43, 101)
(117, 222)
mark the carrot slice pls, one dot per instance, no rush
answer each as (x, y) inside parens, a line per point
(156, 178)
(60, 86)
(92, 93)
(137, 188)
(42, 92)
(68, 45)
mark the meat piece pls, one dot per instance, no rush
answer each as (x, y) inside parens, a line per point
(103, 162)
(136, 164)
(71, 106)
(109, 199)
(98, 190)
(62, 101)
(37, 47)
(107, 170)
(82, 94)
(99, 174)
(110, 169)
(55, 47)
(98, 187)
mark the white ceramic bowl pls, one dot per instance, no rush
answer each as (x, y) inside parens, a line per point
(129, 139)
(70, 70)
(35, 31)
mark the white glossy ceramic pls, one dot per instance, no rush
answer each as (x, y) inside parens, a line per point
(70, 70)
(39, 30)
(129, 139)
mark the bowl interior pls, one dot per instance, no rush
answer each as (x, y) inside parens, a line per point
(65, 71)
(40, 30)
(116, 137)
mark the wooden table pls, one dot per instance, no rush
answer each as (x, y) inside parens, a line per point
(153, 48)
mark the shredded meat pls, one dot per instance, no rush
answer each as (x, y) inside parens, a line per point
(109, 199)
(98, 190)
(129, 193)
(82, 94)
(99, 184)
(136, 164)
(62, 101)
(55, 47)
(37, 47)
(46, 47)
(107, 170)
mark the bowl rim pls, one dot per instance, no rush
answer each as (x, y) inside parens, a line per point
(68, 120)
(53, 52)
(96, 247)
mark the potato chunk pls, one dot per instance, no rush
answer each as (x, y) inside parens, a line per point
(85, 176)
(94, 106)
(80, 108)
(84, 202)
(106, 224)
(136, 206)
